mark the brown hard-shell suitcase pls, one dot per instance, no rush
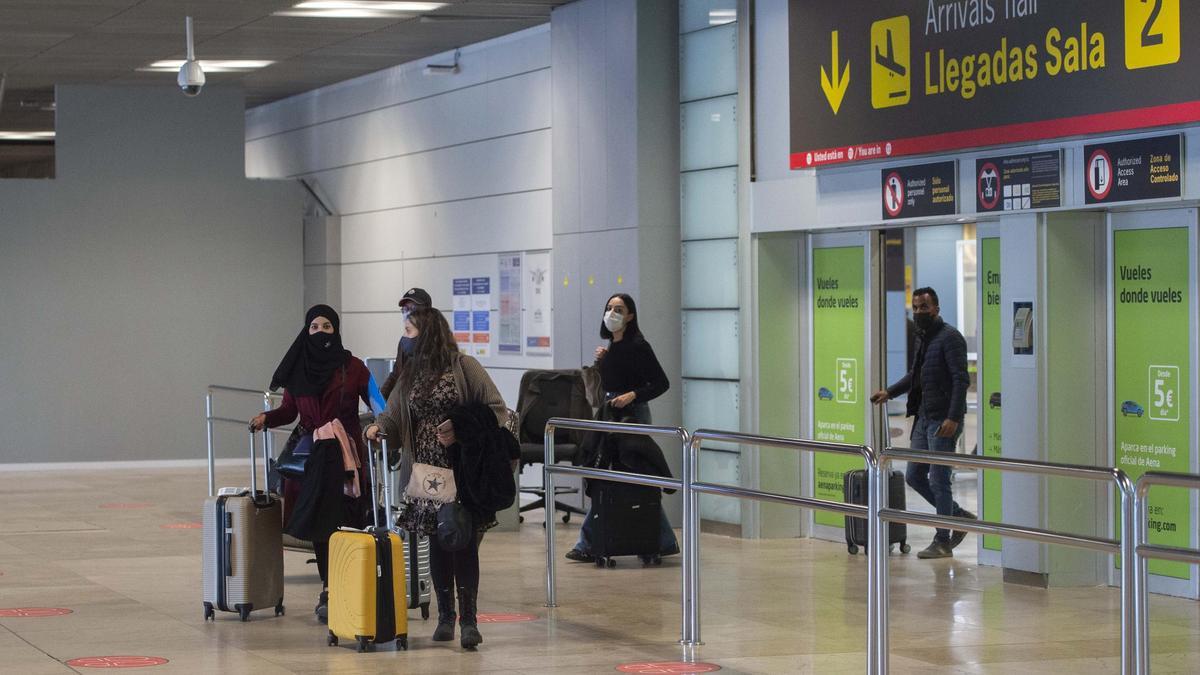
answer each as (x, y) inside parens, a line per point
(243, 549)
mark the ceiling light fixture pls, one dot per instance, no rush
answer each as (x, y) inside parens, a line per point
(358, 9)
(720, 17)
(209, 66)
(26, 135)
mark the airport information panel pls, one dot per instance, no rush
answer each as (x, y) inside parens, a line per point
(889, 78)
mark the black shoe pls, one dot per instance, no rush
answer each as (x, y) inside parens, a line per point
(446, 616)
(579, 556)
(957, 536)
(938, 549)
(322, 608)
(467, 620)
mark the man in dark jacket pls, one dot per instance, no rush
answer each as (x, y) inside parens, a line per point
(937, 397)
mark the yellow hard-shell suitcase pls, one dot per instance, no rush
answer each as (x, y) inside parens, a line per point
(368, 598)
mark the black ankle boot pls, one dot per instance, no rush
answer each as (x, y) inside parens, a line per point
(322, 608)
(470, 628)
(445, 626)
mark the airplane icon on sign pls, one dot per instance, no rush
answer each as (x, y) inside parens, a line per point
(889, 61)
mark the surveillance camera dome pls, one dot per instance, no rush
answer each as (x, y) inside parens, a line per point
(191, 78)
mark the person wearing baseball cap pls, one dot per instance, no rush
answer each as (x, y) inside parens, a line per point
(412, 298)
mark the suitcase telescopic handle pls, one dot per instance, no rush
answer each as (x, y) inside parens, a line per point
(372, 459)
(254, 463)
(385, 472)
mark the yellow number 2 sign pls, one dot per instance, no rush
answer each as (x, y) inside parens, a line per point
(1151, 33)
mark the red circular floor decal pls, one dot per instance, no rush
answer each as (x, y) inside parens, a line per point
(116, 661)
(674, 667)
(505, 617)
(182, 526)
(33, 612)
(126, 505)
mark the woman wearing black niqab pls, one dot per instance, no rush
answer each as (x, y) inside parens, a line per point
(322, 381)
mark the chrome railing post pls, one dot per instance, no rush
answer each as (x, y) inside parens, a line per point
(212, 459)
(548, 486)
(878, 549)
(691, 544)
(1130, 581)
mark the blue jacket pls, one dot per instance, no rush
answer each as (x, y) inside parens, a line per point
(944, 381)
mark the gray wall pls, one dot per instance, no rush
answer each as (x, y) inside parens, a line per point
(616, 182)
(428, 177)
(148, 269)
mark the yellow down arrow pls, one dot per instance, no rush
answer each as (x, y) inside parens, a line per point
(835, 89)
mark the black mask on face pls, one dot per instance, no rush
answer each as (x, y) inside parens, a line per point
(324, 341)
(924, 321)
(408, 345)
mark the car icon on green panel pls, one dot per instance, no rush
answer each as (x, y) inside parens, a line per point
(1132, 408)
(824, 394)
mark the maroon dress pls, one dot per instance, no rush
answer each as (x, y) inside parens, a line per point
(340, 399)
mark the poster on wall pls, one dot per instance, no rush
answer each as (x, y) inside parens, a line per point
(839, 366)
(989, 382)
(871, 80)
(509, 341)
(1151, 392)
(481, 316)
(461, 313)
(537, 303)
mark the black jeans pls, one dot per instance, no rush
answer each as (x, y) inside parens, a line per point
(457, 569)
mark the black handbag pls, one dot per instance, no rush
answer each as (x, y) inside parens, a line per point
(454, 527)
(290, 463)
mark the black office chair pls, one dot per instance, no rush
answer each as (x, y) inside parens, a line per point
(545, 394)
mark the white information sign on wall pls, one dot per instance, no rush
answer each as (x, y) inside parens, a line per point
(537, 293)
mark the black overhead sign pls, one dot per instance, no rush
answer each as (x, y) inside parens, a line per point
(920, 190)
(887, 78)
(1016, 182)
(1147, 168)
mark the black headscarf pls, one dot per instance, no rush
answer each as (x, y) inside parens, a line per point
(311, 360)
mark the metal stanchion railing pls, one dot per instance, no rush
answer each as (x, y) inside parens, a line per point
(1143, 550)
(1130, 587)
(550, 469)
(868, 512)
(209, 419)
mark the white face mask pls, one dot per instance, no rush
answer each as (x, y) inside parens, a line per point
(613, 321)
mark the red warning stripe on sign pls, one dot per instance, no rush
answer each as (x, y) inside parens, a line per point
(1121, 120)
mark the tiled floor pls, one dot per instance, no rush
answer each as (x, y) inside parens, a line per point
(768, 606)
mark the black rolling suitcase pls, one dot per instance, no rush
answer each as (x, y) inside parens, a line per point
(625, 520)
(854, 491)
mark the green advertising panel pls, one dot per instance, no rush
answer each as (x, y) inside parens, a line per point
(839, 366)
(989, 381)
(1152, 425)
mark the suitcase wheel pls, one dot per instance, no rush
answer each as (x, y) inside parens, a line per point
(851, 549)
(648, 560)
(610, 563)
(904, 547)
(520, 519)
(566, 517)
(402, 643)
(279, 608)
(424, 615)
(208, 612)
(599, 561)
(362, 643)
(244, 611)
(332, 639)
